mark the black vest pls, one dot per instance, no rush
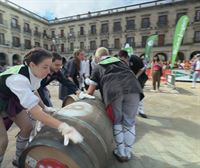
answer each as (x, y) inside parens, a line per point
(3, 88)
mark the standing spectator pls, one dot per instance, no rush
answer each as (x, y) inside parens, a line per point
(137, 66)
(196, 70)
(72, 72)
(156, 69)
(121, 93)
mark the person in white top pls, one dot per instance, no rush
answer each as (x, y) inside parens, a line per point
(196, 69)
(18, 101)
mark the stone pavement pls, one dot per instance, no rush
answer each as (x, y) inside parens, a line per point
(169, 138)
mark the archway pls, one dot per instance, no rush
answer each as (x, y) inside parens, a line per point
(16, 59)
(162, 56)
(2, 59)
(194, 53)
(180, 56)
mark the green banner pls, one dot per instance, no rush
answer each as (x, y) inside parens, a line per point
(178, 36)
(149, 44)
(128, 49)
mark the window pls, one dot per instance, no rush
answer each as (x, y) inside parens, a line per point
(93, 29)
(161, 40)
(178, 15)
(131, 41)
(62, 48)
(117, 44)
(71, 32)
(104, 28)
(145, 23)
(36, 32)
(93, 45)
(104, 43)
(45, 34)
(62, 33)
(144, 39)
(162, 20)
(82, 45)
(53, 48)
(37, 44)
(117, 27)
(2, 39)
(46, 46)
(16, 41)
(27, 44)
(130, 24)
(14, 23)
(52, 34)
(26, 27)
(1, 18)
(197, 36)
(71, 46)
(197, 15)
(81, 31)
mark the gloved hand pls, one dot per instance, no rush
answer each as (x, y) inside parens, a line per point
(38, 126)
(83, 95)
(70, 133)
(49, 109)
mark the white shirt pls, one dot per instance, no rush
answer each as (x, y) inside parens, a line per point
(23, 89)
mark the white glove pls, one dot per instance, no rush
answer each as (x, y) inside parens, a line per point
(49, 109)
(83, 95)
(38, 126)
(70, 132)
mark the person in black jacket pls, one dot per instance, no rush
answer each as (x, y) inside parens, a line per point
(137, 66)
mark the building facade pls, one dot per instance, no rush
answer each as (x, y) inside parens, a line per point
(20, 30)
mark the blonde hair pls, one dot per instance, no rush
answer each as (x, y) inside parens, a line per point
(102, 51)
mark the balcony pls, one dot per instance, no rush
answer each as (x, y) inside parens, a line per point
(37, 34)
(104, 34)
(27, 31)
(130, 28)
(162, 25)
(17, 45)
(15, 28)
(92, 33)
(71, 36)
(81, 34)
(3, 24)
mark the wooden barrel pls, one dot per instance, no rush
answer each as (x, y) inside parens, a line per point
(89, 118)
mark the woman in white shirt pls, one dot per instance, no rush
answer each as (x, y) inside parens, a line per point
(18, 101)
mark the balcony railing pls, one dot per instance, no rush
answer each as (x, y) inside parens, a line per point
(27, 31)
(92, 33)
(16, 45)
(3, 23)
(15, 28)
(162, 24)
(37, 34)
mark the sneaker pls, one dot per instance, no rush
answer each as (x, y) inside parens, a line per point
(143, 115)
(120, 158)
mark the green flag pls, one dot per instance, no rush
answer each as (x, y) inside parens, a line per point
(178, 36)
(128, 49)
(149, 44)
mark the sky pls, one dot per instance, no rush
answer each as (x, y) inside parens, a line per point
(63, 8)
